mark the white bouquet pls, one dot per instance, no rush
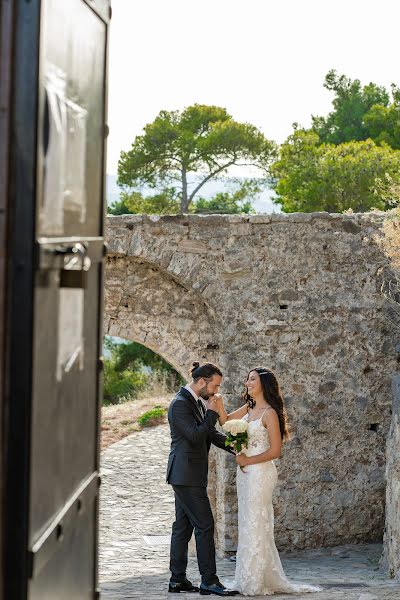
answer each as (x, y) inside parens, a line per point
(236, 433)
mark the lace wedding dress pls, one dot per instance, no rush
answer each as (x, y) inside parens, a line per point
(259, 570)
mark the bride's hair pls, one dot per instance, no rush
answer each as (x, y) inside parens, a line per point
(272, 395)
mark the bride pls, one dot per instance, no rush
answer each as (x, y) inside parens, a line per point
(258, 567)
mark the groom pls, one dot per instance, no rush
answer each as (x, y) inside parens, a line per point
(192, 416)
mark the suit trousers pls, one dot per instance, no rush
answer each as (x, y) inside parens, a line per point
(192, 511)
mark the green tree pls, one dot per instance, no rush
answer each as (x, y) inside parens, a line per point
(310, 176)
(383, 122)
(120, 385)
(164, 203)
(240, 201)
(203, 140)
(119, 207)
(223, 203)
(134, 356)
(128, 370)
(236, 202)
(388, 188)
(352, 102)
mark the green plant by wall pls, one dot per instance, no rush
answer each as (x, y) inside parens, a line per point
(152, 417)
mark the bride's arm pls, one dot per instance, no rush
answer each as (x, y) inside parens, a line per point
(236, 414)
(270, 420)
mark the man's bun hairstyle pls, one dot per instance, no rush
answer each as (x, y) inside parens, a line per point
(205, 371)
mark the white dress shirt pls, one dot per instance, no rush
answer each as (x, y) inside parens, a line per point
(195, 396)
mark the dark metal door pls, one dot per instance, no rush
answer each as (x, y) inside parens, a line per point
(55, 303)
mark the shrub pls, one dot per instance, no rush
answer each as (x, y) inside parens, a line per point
(152, 417)
(121, 385)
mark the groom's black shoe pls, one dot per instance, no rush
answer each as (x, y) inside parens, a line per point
(216, 588)
(182, 586)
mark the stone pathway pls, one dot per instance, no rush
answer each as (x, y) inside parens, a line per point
(136, 502)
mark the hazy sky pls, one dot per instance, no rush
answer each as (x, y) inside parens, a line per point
(264, 60)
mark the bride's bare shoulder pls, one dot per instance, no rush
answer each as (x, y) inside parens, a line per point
(270, 418)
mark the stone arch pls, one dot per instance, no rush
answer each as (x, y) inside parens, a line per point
(147, 304)
(301, 293)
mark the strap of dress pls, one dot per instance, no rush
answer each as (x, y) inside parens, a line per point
(268, 407)
(261, 419)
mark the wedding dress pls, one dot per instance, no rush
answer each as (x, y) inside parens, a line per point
(259, 569)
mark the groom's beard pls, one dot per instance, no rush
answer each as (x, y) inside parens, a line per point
(204, 394)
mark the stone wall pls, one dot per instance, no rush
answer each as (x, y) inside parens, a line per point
(297, 293)
(391, 555)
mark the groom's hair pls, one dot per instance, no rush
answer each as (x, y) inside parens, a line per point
(205, 371)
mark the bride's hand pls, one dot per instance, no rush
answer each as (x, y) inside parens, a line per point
(218, 399)
(212, 404)
(241, 460)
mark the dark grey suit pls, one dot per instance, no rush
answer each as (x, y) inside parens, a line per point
(192, 433)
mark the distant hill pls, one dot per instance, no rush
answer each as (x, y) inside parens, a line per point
(263, 204)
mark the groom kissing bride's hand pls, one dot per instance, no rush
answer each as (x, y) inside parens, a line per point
(192, 416)
(215, 403)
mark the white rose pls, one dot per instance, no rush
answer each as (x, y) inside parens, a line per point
(234, 429)
(227, 426)
(242, 426)
(235, 426)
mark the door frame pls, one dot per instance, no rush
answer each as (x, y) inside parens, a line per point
(20, 62)
(6, 46)
(19, 285)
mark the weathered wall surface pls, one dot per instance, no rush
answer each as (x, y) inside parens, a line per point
(296, 293)
(391, 555)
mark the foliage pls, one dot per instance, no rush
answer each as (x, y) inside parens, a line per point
(121, 385)
(131, 355)
(236, 202)
(343, 161)
(310, 176)
(359, 112)
(201, 139)
(119, 208)
(152, 417)
(164, 203)
(388, 188)
(227, 203)
(133, 368)
(222, 203)
(237, 441)
(383, 122)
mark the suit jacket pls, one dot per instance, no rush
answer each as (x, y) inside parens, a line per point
(191, 437)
